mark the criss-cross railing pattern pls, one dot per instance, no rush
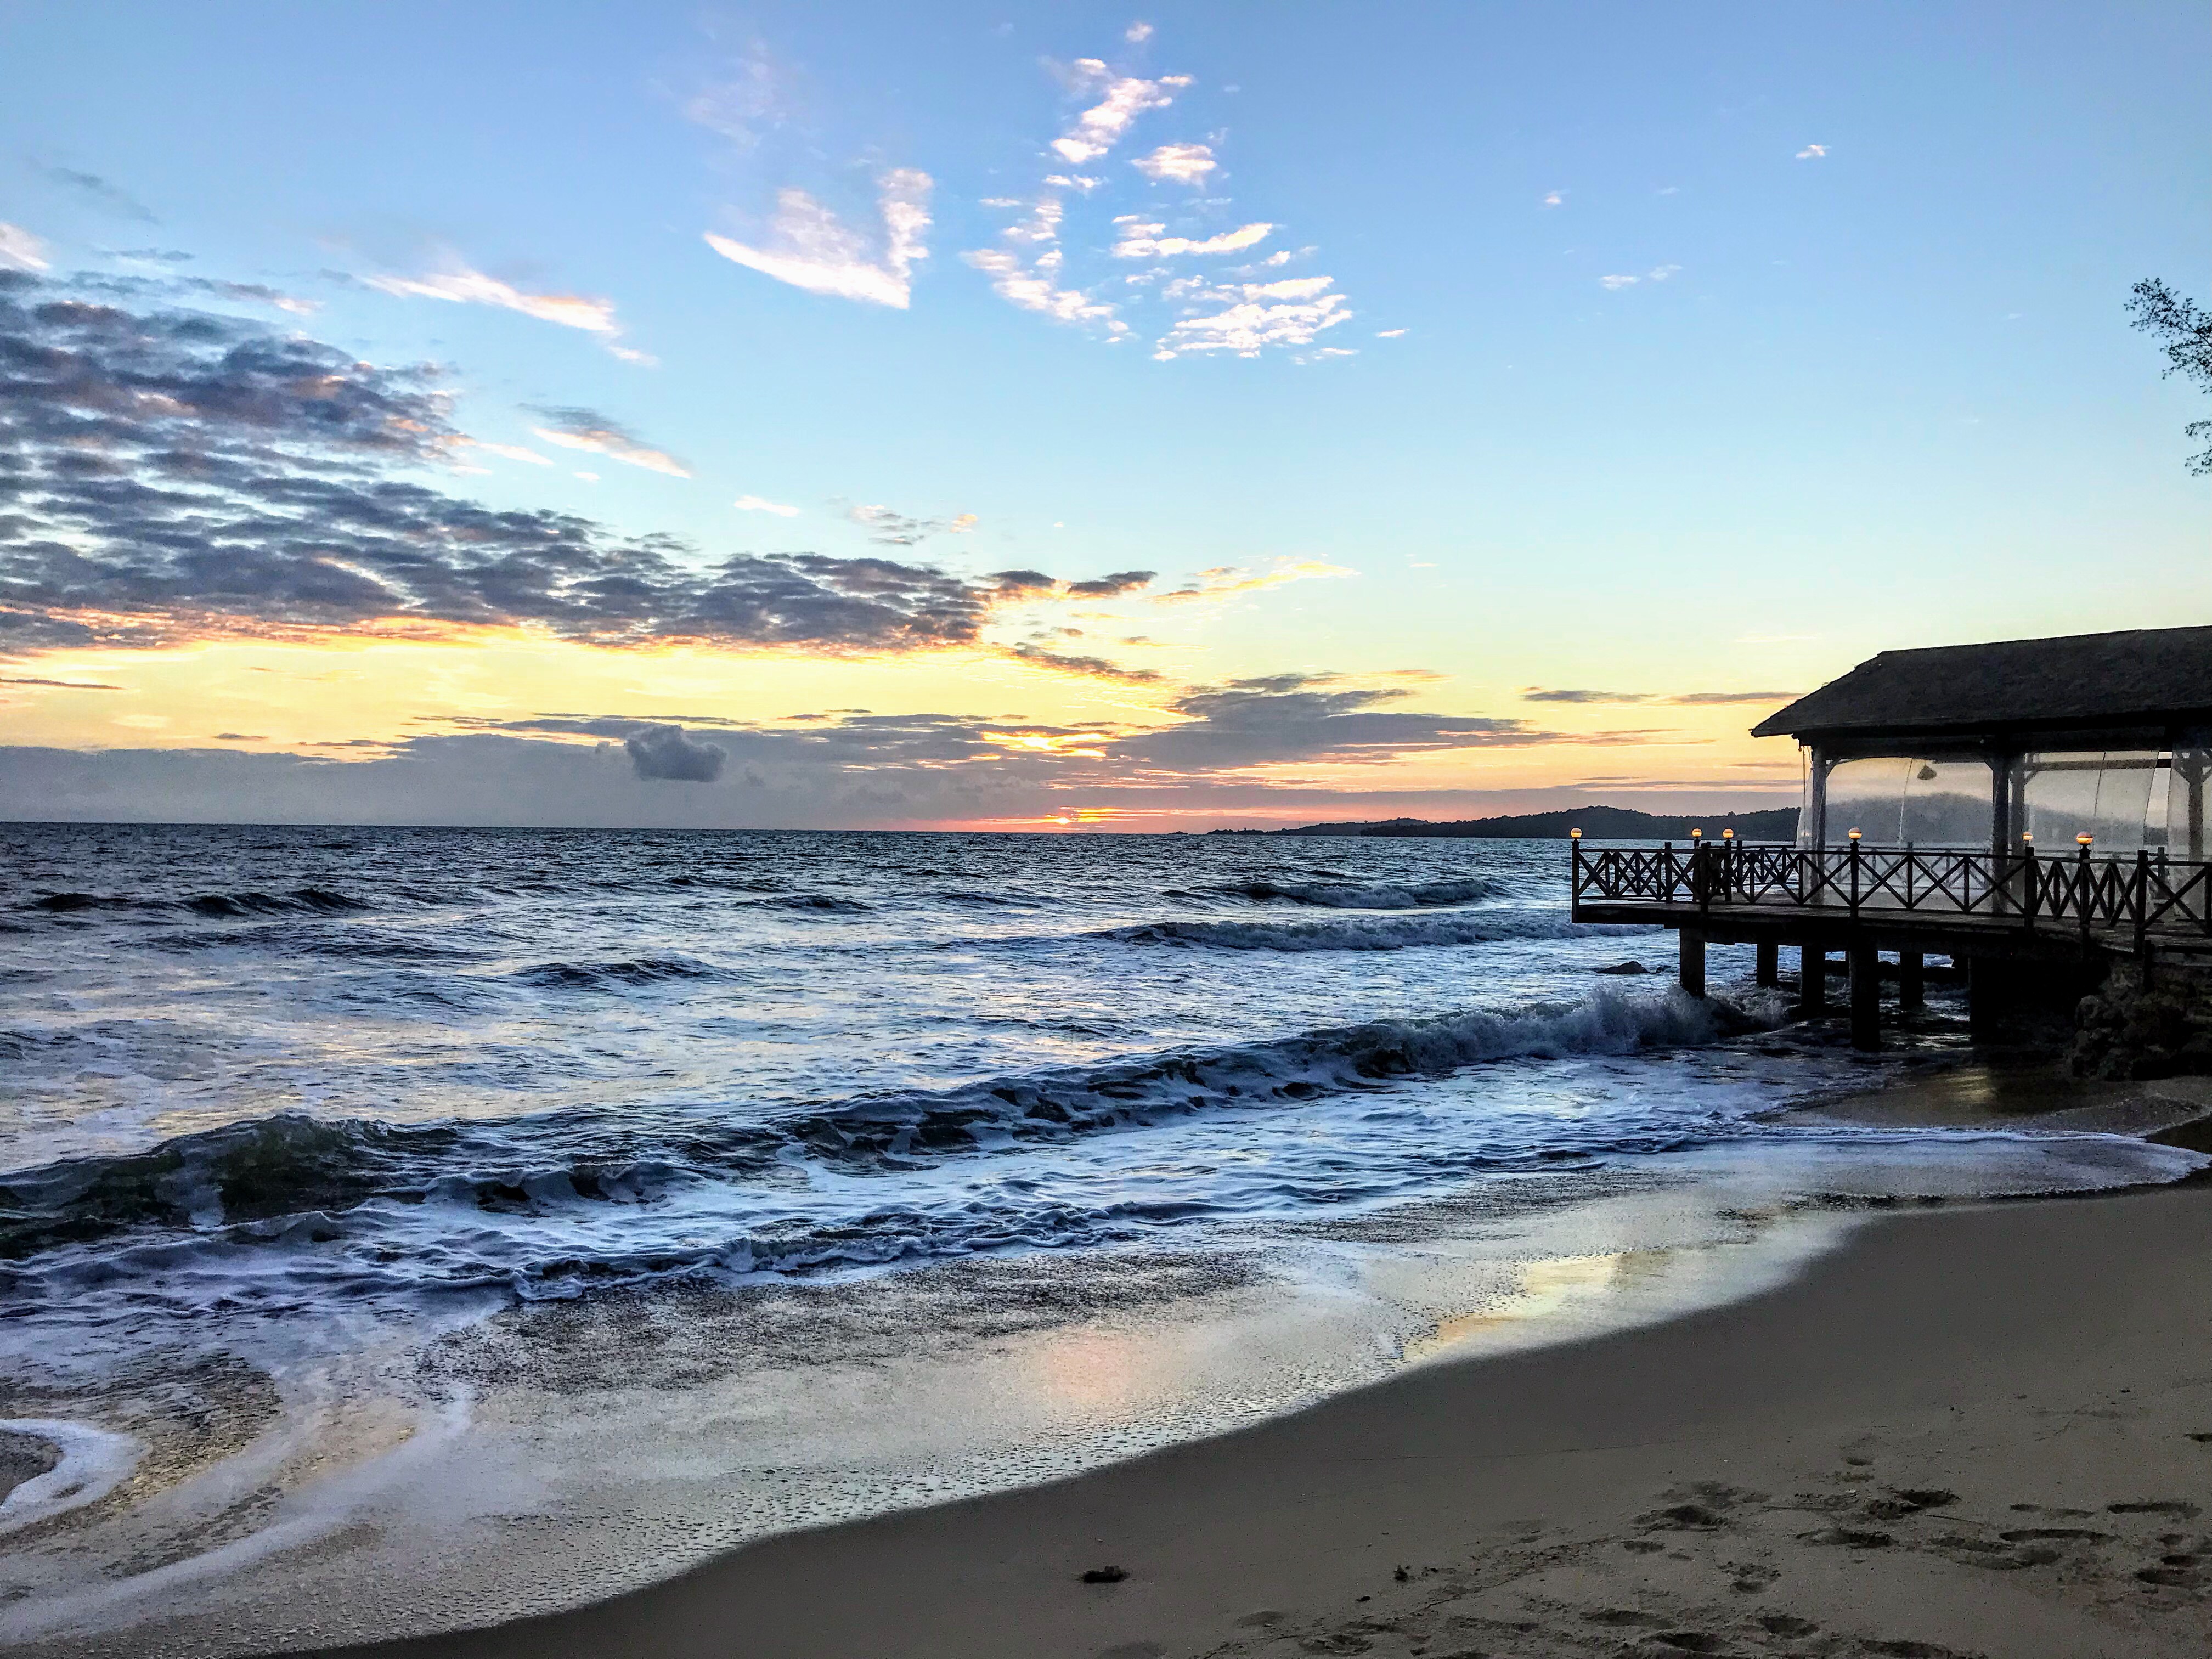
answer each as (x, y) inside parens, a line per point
(2144, 892)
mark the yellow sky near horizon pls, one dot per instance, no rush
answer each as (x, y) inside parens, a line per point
(346, 694)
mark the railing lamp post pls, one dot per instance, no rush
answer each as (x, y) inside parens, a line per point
(2085, 884)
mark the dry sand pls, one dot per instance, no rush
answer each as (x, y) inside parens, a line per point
(1982, 1429)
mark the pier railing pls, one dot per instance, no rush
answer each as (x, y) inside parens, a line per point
(2142, 893)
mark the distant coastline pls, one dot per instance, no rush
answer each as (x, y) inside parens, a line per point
(1598, 823)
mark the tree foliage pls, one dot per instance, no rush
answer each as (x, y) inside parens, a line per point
(2185, 334)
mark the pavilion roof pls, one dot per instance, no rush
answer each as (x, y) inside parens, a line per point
(2144, 677)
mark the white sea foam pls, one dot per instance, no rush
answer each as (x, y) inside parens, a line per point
(94, 1461)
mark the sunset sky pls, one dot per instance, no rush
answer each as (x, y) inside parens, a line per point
(860, 415)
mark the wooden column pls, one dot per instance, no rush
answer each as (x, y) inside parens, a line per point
(1770, 962)
(1866, 997)
(1814, 832)
(1691, 943)
(1911, 980)
(1812, 980)
(1985, 997)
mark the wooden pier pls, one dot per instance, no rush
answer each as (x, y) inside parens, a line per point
(2013, 921)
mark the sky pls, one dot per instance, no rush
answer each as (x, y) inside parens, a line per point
(851, 415)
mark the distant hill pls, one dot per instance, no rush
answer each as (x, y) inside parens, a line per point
(1597, 822)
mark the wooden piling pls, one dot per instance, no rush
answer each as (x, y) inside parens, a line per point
(1812, 980)
(1866, 997)
(1911, 979)
(1692, 972)
(1770, 962)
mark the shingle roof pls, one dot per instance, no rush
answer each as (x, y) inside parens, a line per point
(2148, 675)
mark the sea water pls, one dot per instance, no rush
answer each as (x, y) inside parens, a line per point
(402, 1228)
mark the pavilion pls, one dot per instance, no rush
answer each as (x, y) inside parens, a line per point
(2031, 809)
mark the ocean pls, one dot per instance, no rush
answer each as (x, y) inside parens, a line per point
(430, 1196)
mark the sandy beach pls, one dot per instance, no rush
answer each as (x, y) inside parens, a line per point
(1975, 1431)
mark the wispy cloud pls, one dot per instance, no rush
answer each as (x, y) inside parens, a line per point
(746, 101)
(108, 194)
(1181, 164)
(584, 428)
(1026, 272)
(1030, 267)
(1555, 199)
(507, 451)
(1137, 33)
(19, 250)
(1245, 319)
(761, 504)
(1684, 699)
(462, 284)
(1096, 668)
(811, 248)
(1142, 240)
(1811, 152)
(1227, 582)
(1098, 129)
(1657, 274)
(892, 529)
(1388, 333)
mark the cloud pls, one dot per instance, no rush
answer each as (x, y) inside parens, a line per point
(19, 250)
(811, 249)
(1098, 129)
(1015, 587)
(1556, 198)
(1245, 324)
(506, 451)
(1226, 581)
(1287, 718)
(1695, 698)
(1027, 273)
(111, 197)
(1811, 152)
(464, 286)
(1088, 667)
(60, 685)
(1388, 333)
(582, 428)
(131, 287)
(1661, 273)
(897, 530)
(1137, 33)
(1181, 164)
(1687, 699)
(177, 475)
(1141, 240)
(664, 753)
(737, 107)
(761, 504)
(1615, 283)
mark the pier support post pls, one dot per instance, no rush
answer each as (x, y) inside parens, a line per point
(1911, 980)
(1770, 962)
(1866, 997)
(1812, 980)
(1692, 946)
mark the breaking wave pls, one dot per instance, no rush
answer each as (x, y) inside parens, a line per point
(1385, 933)
(1352, 895)
(310, 901)
(617, 975)
(416, 1206)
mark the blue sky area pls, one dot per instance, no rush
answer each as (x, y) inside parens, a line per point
(1662, 352)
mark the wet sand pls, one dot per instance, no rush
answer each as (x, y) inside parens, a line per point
(1977, 1430)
